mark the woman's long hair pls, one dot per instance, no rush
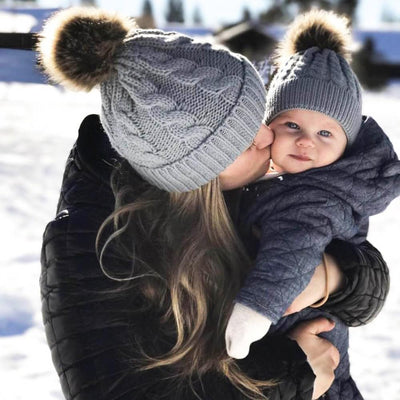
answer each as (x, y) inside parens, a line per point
(188, 264)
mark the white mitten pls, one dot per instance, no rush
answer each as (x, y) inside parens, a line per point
(245, 326)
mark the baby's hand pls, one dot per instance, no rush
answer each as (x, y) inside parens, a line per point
(245, 326)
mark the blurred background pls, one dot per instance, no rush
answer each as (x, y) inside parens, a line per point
(250, 27)
(39, 123)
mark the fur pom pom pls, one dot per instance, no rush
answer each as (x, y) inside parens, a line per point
(77, 46)
(323, 29)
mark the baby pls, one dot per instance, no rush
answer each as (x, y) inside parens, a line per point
(330, 170)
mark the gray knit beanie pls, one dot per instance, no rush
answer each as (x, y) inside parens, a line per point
(317, 76)
(178, 110)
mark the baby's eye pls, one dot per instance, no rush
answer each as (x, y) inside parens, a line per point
(292, 125)
(325, 133)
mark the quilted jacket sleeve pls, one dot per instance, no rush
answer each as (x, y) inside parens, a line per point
(295, 230)
(89, 324)
(366, 272)
(83, 331)
(367, 283)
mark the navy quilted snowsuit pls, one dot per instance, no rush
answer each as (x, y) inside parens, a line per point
(298, 215)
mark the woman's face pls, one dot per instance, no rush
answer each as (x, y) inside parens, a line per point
(252, 164)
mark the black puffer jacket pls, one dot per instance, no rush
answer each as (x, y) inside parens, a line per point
(87, 322)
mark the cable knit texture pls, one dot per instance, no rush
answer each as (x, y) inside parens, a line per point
(318, 80)
(178, 110)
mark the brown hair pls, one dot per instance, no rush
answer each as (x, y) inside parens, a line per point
(188, 263)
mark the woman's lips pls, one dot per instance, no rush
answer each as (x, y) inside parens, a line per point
(300, 158)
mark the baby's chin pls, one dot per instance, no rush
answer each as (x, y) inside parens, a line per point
(291, 166)
(290, 169)
(297, 170)
(283, 169)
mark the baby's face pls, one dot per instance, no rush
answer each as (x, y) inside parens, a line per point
(305, 139)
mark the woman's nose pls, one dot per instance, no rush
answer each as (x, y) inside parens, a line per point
(304, 140)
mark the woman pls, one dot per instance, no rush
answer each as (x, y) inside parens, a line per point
(176, 113)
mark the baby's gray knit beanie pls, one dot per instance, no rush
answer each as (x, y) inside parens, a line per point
(179, 111)
(319, 80)
(314, 71)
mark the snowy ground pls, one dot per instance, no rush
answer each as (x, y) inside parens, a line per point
(38, 125)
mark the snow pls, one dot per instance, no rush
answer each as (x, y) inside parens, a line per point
(38, 125)
(16, 22)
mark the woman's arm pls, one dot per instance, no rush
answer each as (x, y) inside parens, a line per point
(358, 283)
(327, 279)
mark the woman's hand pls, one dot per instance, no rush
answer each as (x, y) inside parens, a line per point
(322, 355)
(316, 288)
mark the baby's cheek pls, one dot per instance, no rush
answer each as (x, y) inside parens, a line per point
(274, 151)
(336, 155)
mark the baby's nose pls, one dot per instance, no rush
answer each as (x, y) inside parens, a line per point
(305, 141)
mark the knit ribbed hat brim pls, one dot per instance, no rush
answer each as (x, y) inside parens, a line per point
(317, 95)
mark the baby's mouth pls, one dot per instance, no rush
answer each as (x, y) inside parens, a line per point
(300, 157)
